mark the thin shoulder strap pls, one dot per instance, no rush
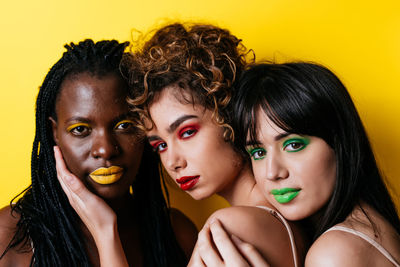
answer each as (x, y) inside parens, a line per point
(289, 230)
(368, 239)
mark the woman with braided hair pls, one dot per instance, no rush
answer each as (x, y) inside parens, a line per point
(81, 108)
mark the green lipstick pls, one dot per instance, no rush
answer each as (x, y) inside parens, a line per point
(285, 195)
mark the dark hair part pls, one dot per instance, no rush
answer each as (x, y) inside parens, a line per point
(201, 60)
(308, 99)
(47, 221)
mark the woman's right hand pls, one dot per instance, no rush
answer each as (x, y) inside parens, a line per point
(214, 247)
(94, 212)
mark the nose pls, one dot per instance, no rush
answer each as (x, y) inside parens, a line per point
(174, 159)
(104, 146)
(275, 168)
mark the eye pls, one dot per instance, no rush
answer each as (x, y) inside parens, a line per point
(188, 132)
(159, 146)
(124, 125)
(79, 129)
(295, 144)
(257, 153)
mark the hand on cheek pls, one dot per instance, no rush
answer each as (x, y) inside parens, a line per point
(93, 211)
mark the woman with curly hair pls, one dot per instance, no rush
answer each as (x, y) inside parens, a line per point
(81, 108)
(183, 80)
(185, 106)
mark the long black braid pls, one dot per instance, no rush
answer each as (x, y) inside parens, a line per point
(47, 221)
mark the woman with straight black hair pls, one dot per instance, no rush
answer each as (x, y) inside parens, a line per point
(312, 158)
(81, 108)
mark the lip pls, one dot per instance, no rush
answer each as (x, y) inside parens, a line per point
(187, 182)
(285, 195)
(108, 175)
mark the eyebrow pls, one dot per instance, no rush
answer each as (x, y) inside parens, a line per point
(123, 116)
(276, 138)
(82, 119)
(172, 127)
(86, 120)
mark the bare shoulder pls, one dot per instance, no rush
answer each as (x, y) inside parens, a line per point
(263, 230)
(8, 223)
(185, 231)
(338, 248)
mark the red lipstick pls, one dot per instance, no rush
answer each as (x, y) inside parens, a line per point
(187, 182)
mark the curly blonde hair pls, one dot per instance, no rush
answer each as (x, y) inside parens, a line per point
(203, 60)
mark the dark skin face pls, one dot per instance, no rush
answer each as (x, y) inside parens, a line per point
(94, 129)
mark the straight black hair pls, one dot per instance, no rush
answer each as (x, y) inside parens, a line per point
(47, 221)
(308, 99)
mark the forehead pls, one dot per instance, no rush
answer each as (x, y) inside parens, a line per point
(85, 92)
(265, 127)
(168, 112)
(171, 102)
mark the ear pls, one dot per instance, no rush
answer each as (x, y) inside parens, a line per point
(54, 129)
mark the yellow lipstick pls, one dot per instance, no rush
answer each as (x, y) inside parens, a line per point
(107, 175)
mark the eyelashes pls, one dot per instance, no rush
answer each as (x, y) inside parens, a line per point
(290, 145)
(159, 146)
(295, 144)
(188, 131)
(124, 124)
(79, 129)
(82, 129)
(257, 153)
(184, 133)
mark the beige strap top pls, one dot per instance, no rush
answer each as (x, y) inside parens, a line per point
(289, 230)
(368, 239)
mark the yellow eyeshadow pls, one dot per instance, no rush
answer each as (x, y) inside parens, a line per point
(123, 121)
(71, 127)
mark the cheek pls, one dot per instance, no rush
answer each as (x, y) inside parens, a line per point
(135, 157)
(258, 171)
(74, 157)
(133, 147)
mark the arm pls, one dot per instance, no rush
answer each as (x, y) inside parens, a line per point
(256, 227)
(98, 217)
(16, 256)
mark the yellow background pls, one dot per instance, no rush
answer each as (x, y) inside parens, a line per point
(359, 40)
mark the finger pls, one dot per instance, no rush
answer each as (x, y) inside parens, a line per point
(226, 248)
(207, 250)
(195, 260)
(59, 166)
(249, 252)
(70, 183)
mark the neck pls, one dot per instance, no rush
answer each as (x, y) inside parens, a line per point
(243, 190)
(123, 207)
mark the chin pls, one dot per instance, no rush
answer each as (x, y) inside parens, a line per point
(294, 214)
(109, 192)
(199, 195)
